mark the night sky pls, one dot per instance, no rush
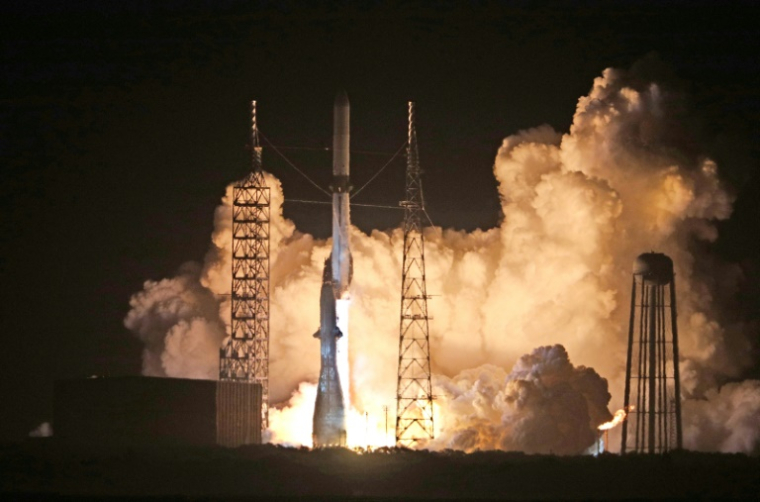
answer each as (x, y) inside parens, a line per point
(121, 123)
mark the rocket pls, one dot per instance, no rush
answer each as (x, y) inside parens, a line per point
(329, 426)
(341, 254)
(329, 409)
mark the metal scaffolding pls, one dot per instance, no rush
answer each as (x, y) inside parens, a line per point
(244, 356)
(414, 398)
(652, 384)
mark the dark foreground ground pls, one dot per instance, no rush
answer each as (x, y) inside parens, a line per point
(46, 470)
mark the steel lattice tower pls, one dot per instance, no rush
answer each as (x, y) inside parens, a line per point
(652, 386)
(414, 398)
(244, 355)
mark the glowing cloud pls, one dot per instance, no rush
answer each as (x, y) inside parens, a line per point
(578, 208)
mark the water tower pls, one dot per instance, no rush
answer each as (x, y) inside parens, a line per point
(652, 386)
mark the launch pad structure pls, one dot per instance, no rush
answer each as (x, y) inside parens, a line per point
(139, 411)
(244, 356)
(414, 397)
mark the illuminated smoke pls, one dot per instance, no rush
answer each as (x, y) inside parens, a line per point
(545, 405)
(292, 423)
(726, 419)
(578, 208)
(177, 320)
(342, 308)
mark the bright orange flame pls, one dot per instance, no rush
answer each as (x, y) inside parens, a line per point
(616, 420)
(292, 424)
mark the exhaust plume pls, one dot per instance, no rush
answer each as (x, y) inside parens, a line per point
(578, 207)
(545, 405)
(178, 321)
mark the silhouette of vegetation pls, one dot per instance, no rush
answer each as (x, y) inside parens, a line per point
(49, 470)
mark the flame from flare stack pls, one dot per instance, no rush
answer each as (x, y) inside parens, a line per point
(617, 419)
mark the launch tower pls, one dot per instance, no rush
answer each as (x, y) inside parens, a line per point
(652, 386)
(414, 398)
(244, 356)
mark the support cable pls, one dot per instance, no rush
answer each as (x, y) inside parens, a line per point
(324, 202)
(428, 217)
(294, 166)
(380, 170)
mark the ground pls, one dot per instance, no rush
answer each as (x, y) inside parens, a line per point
(46, 470)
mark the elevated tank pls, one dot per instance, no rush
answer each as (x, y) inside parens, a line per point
(656, 268)
(652, 387)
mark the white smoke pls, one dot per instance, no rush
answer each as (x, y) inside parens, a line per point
(578, 208)
(545, 405)
(289, 419)
(178, 321)
(44, 430)
(726, 419)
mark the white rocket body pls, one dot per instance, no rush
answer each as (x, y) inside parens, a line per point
(333, 393)
(329, 425)
(341, 253)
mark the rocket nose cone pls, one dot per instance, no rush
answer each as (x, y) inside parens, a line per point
(341, 99)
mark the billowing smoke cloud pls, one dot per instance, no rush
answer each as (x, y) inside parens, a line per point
(178, 321)
(545, 405)
(724, 420)
(578, 208)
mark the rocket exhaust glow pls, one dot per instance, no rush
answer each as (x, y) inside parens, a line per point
(333, 388)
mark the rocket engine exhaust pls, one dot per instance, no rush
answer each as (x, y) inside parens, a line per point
(329, 426)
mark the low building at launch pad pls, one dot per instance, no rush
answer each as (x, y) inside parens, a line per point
(134, 410)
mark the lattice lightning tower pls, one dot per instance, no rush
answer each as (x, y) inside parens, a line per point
(244, 355)
(414, 398)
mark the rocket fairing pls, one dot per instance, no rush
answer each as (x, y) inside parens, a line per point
(330, 408)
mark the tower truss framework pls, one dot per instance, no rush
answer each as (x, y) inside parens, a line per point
(244, 356)
(414, 398)
(652, 384)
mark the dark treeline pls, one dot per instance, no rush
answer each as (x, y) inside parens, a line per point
(48, 470)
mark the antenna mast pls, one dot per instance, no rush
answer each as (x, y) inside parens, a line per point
(244, 356)
(414, 398)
